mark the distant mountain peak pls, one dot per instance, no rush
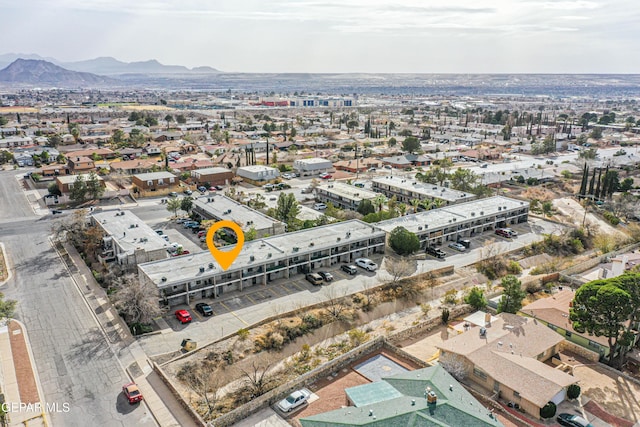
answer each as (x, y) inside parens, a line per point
(40, 72)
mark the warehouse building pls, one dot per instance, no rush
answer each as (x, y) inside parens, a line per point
(183, 279)
(314, 166)
(257, 174)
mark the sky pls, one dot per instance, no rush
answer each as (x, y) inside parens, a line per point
(372, 36)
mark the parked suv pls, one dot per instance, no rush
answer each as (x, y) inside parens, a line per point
(314, 278)
(319, 206)
(349, 269)
(504, 233)
(367, 264)
(436, 252)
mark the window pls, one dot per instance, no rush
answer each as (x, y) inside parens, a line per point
(478, 373)
(568, 334)
(552, 327)
(171, 180)
(516, 394)
(594, 344)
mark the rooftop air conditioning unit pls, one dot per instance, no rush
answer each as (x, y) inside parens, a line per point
(201, 269)
(419, 228)
(132, 226)
(499, 208)
(252, 258)
(163, 279)
(136, 225)
(210, 265)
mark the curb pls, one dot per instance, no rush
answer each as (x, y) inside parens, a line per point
(6, 263)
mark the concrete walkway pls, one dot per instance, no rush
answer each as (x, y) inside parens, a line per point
(19, 379)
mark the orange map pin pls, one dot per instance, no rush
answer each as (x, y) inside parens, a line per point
(225, 258)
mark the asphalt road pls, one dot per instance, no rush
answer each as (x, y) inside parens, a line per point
(74, 361)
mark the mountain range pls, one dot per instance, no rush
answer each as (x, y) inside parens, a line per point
(110, 66)
(40, 72)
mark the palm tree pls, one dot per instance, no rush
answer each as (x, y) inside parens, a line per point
(379, 201)
(415, 203)
(426, 204)
(438, 203)
(402, 208)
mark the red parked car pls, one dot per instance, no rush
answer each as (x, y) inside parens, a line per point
(132, 393)
(183, 316)
(326, 176)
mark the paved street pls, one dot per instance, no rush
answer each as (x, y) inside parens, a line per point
(74, 362)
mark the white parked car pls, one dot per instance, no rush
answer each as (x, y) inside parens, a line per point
(457, 246)
(287, 176)
(295, 399)
(367, 264)
(319, 206)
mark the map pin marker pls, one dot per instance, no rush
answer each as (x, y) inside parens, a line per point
(225, 258)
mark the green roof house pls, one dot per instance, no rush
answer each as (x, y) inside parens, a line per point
(425, 397)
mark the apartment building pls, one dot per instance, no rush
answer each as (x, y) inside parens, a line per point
(185, 278)
(343, 196)
(436, 226)
(218, 207)
(127, 239)
(407, 189)
(155, 183)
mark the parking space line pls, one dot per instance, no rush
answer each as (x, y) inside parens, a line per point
(197, 314)
(285, 289)
(251, 299)
(234, 313)
(294, 284)
(272, 289)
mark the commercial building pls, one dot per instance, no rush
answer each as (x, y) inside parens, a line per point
(218, 207)
(436, 226)
(155, 183)
(407, 189)
(343, 196)
(314, 166)
(188, 277)
(257, 174)
(211, 176)
(127, 239)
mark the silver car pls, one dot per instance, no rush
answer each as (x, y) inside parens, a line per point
(457, 246)
(295, 399)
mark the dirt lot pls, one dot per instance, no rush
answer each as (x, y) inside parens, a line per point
(614, 393)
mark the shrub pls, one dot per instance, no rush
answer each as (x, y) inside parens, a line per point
(450, 297)
(611, 218)
(548, 410)
(445, 315)
(513, 267)
(475, 298)
(243, 334)
(357, 337)
(425, 309)
(533, 287)
(140, 328)
(573, 392)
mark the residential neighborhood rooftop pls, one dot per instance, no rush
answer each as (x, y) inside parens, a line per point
(425, 189)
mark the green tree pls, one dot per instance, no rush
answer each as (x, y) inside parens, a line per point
(53, 189)
(186, 203)
(5, 157)
(475, 298)
(250, 234)
(596, 133)
(411, 144)
(365, 207)
(7, 307)
(589, 154)
(173, 205)
(573, 392)
(626, 185)
(180, 118)
(547, 208)
(512, 295)
(54, 140)
(78, 190)
(392, 142)
(287, 208)
(403, 242)
(94, 188)
(463, 180)
(3, 121)
(118, 136)
(601, 308)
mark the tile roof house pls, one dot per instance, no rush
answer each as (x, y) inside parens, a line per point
(424, 397)
(506, 355)
(554, 312)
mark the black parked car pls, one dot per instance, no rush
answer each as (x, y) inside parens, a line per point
(326, 276)
(436, 252)
(204, 309)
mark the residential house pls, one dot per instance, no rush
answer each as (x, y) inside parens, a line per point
(359, 165)
(212, 176)
(505, 356)
(424, 397)
(65, 182)
(155, 183)
(134, 166)
(80, 164)
(407, 161)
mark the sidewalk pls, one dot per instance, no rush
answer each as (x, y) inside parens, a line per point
(19, 379)
(166, 411)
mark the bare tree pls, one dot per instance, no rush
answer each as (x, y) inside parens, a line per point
(399, 268)
(455, 365)
(203, 380)
(137, 300)
(432, 282)
(335, 305)
(256, 377)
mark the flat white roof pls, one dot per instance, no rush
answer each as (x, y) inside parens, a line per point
(154, 175)
(129, 231)
(223, 207)
(428, 190)
(314, 160)
(256, 168)
(347, 191)
(209, 171)
(70, 179)
(437, 218)
(271, 249)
